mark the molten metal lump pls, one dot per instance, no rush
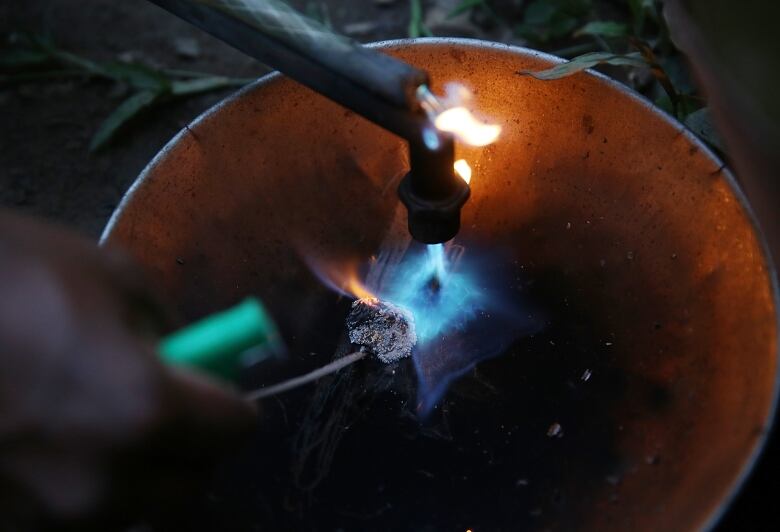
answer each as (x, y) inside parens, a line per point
(384, 329)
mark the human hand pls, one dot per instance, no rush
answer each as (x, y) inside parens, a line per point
(93, 428)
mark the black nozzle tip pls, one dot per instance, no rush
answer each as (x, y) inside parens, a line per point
(433, 221)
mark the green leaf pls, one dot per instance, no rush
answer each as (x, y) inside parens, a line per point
(138, 76)
(700, 122)
(664, 102)
(603, 29)
(639, 10)
(90, 67)
(45, 45)
(586, 61)
(126, 111)
(198, 85)
(465, 5)
(658, 72)
(19, 59)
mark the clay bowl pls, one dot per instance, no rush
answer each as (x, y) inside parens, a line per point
(621, 227)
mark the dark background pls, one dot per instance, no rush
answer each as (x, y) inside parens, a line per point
(47, 170)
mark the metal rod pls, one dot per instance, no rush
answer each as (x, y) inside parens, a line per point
(379, 87)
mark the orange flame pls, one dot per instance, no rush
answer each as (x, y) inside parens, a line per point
(464, 125)
(451, 115)
(341, 277)
(463, 169)
(355, 288)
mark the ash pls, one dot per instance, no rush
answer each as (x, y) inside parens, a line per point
(383, 328)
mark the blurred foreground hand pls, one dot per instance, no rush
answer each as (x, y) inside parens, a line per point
(94, 430)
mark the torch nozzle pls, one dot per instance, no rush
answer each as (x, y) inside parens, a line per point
(432, 193)
(428, 101)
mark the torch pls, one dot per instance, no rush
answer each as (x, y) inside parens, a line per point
(384, 90)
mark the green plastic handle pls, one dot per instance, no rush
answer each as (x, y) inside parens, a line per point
(217, 344)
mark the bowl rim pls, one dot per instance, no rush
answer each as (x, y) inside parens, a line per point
(770, 425)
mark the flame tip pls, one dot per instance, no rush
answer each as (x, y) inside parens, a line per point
(466, 127)
(463, 169)
(451, 115)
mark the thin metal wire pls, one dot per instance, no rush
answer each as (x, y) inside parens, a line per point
(295, 382)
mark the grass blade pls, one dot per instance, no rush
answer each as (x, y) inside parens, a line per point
(140, 77)
(199, 85)
(76, 61)
(127, 110)
(658, 73)
(416, 26)
(584, 62)
(603, 28)
(20, 59)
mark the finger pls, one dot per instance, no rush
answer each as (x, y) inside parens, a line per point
(208, 409)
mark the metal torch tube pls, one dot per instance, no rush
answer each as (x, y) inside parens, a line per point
(370, 83)
(431, 169)
(376, 86)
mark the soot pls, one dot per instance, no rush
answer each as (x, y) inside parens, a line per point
(386, 330)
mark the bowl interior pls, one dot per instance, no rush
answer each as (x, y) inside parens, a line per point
(604, 215)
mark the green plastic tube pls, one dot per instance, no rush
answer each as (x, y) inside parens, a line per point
(217, 344)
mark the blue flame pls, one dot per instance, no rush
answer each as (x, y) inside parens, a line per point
(440, 299)
(465, 306)
(461, 313)
(431, 138)
(437, 259)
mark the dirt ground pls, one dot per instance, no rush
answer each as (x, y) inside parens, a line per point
(45, 167)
